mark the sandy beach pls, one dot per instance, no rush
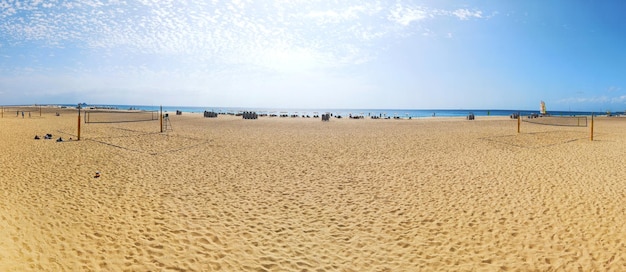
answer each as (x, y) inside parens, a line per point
(298, 194)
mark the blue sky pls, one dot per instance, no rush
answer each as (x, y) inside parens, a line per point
(315, 54)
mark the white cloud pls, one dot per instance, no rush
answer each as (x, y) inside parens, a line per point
(603, 99)
(160, 25)
(609, 99)
(278, 35)
(465, 14)
(620, 99)
(614, 88)
(405, 15)
(334, 15)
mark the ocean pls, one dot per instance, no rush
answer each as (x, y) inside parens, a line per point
(400, 113)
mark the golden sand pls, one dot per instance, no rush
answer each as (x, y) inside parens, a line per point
(294, 194)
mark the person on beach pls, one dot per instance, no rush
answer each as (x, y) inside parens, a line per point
(97, 175)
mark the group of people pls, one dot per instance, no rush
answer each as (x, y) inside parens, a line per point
(49, 137)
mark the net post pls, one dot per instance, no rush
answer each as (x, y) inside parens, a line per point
(78, 138)
(519, 120)
(591, 136)
(39, 110)
(161, 117)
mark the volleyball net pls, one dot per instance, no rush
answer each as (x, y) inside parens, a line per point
(569, 121)
(20, 111)
(104, 116)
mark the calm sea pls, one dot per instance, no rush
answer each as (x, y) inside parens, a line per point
(402, 113)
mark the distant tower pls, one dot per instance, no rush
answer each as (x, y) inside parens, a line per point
(542, 108)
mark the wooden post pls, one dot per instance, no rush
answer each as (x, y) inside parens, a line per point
(39, 110)
(161, 117)
(591, 137)
(519, 120)
(78, 138)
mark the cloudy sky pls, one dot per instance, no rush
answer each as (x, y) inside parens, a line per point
(477, 54)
